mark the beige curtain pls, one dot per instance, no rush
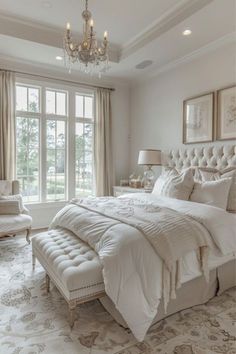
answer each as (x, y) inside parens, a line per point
(7, 125)
(103, 144)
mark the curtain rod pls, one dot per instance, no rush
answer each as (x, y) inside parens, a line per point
(61, 80)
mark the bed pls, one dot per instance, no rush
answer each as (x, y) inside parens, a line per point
(143, 279)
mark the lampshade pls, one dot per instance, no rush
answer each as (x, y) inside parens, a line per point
(149, 157)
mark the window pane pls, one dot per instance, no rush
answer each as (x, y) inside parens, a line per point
(33, 100)
(61, 104)
(51, 133)
(88, 107)
(56, 152)
(21, 98)
(79, 107)
(27, 130)
(84, 159)
(61, 134)
(50, 102)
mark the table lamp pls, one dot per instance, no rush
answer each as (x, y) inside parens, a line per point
(149, 158)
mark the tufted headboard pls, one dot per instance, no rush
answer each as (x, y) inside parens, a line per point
(219, 157)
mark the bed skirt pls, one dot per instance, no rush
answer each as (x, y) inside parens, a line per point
(192, 293)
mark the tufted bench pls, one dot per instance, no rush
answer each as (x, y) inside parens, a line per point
(71, 264)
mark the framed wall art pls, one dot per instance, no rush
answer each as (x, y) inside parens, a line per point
(226, 115)
(198, 119)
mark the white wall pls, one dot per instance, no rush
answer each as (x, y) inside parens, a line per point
(157, 104)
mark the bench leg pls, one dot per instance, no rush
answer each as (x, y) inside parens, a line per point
(47, 283)
(28, 235)
(33, 261)
(72, 307)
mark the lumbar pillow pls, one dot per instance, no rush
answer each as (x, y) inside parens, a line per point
(174, 185)
(213, 193)
(9, 207)
(16, 197)
(203, 175)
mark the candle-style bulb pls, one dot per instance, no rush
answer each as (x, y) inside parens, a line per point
(68, 26)
(105, 35)
(91, 23)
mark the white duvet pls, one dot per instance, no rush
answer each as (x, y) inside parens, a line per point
(132, 269)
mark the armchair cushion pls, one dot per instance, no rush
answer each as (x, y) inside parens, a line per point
(9, 207)
(14, 223)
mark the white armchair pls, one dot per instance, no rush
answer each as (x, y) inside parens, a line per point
(11, 223)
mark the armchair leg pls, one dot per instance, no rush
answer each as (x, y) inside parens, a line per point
(28, 235)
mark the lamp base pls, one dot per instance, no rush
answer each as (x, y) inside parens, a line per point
(149, 179)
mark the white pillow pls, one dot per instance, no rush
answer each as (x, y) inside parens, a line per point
(204, 175)
(232, 192)
(213, 193)
(16, 197)
(174, 185)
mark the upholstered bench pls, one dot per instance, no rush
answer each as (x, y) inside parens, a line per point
(71, 264)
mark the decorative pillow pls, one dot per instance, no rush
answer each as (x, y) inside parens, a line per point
(231, 172)
(5, 187)
(16, 197)
(213, 193)
(9, 207)
(174, 185)
(203, 174)
(206, 175)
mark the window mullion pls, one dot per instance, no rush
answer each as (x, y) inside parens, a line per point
(71, 146)
(43, 148)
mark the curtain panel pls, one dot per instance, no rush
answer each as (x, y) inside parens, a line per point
(104, 174)
(7, 125)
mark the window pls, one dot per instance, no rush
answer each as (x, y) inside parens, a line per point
(55, 130)
(84, 144)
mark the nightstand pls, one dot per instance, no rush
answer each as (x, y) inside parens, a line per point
(117, 190)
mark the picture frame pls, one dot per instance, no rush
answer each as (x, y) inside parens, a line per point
(198, 119)
(226, 113)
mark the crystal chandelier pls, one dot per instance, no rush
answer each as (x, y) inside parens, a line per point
(91, 56)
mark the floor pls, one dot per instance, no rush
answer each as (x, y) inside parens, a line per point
(33, 322)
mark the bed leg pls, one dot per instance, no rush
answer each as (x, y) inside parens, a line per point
(47, 283)
(72, 307)
(33, 261)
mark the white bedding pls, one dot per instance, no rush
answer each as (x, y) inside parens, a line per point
(132, 270)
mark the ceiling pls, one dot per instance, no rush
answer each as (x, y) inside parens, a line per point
(31, 30)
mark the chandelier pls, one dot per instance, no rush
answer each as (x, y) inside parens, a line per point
(91, 56)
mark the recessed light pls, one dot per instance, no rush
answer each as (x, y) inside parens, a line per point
(46, 4)
(144, 64)
(187, 32)
(58, 57)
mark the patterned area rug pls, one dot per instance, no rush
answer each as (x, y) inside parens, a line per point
(32, 322)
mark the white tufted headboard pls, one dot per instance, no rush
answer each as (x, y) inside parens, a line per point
(219, 157)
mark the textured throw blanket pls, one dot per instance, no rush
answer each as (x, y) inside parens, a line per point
(131, 235)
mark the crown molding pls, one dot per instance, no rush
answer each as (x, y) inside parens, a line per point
(24, 67)
(220, 42)
(43, 34)
(168, 20)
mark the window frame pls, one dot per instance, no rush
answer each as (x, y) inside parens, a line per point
(70, 125)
